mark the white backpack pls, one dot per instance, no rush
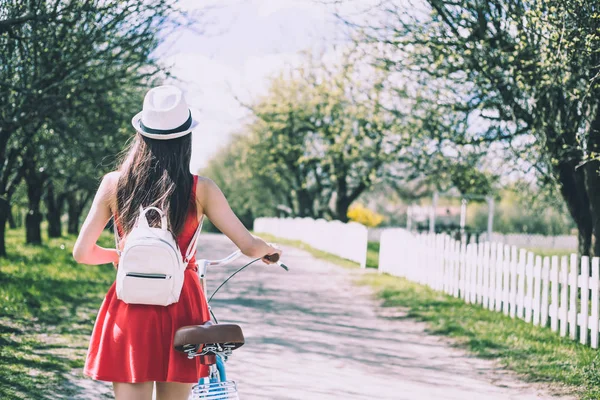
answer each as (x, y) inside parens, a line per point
(151, 269)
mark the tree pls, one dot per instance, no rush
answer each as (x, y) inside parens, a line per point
(75, 166)
(324, 134)
(51, 51)
(523, 69)
(250, 194)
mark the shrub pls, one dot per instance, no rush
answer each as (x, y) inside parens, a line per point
(361, 214)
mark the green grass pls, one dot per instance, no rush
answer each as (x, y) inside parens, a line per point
(373, 255)
(48, 304)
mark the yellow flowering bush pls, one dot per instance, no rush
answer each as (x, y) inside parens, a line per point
(361, 214)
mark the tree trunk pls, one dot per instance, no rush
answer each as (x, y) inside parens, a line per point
(305, 204)
(12, 224)
(592, 184)
(35, 188)
(593, 191)
(576, 197)
(74, 213)
(572, 184)
(54, 206)
(4, 212)
(342, 203)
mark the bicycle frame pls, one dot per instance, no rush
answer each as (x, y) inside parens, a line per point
(203, 264)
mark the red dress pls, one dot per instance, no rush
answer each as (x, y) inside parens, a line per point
(134, 343)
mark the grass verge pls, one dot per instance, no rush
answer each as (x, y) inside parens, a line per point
(373, 255)
(48, 304)
(537, 354)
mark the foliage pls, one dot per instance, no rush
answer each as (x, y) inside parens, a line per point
(319, 139)
(249, 194)
(359, 213)
(522, 75)
(69, 72)
(47, 308)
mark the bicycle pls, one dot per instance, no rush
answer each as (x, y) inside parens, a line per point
(214, 342)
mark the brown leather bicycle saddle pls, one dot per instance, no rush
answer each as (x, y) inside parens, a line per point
(209, 333)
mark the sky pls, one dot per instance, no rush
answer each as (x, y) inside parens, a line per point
(234, 48)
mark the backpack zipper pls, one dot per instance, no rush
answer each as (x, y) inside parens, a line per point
(149, 276)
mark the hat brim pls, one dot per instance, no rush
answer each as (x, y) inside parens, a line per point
(137, 119)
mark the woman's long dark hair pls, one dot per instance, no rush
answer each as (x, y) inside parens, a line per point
(155, 173)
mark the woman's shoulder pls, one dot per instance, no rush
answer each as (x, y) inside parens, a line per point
(108, 187)
(205, 185)
(112, 176)
(205, 188)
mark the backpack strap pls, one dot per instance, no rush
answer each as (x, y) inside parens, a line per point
(142, 214)
(115, 230)
(192, 246)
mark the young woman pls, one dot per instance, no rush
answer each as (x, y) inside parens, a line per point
(131, 344)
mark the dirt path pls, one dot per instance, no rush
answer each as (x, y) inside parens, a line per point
(312, 334)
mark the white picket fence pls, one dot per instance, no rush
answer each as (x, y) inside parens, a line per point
(543, 291)
(346, 240)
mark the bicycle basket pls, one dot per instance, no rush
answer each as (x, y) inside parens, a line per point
(215, 391)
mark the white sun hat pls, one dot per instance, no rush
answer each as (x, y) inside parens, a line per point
(165, 114)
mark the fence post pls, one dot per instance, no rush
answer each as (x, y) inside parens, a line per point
(493, 265)
(479, 272)
(473, 258)
(506, 279)
(564, 290)
(595, 305)
(500, 256)
(554, 305)
(463, 270)
(512, 297)
(521, 284)
(467, 278)
(509, 253)
(585, 287)
(529, 287)
(537, 289)
(573, 297)
(457, 263)
(545, 288)
(486, 274)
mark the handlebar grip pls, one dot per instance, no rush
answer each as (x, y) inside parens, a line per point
(272, 257)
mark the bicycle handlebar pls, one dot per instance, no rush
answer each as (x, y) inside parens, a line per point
(219, 263)
(236, 254)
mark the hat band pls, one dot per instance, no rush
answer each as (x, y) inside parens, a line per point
(181, 128)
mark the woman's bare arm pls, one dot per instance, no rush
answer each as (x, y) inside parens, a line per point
(217, 209)
(86, 251)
